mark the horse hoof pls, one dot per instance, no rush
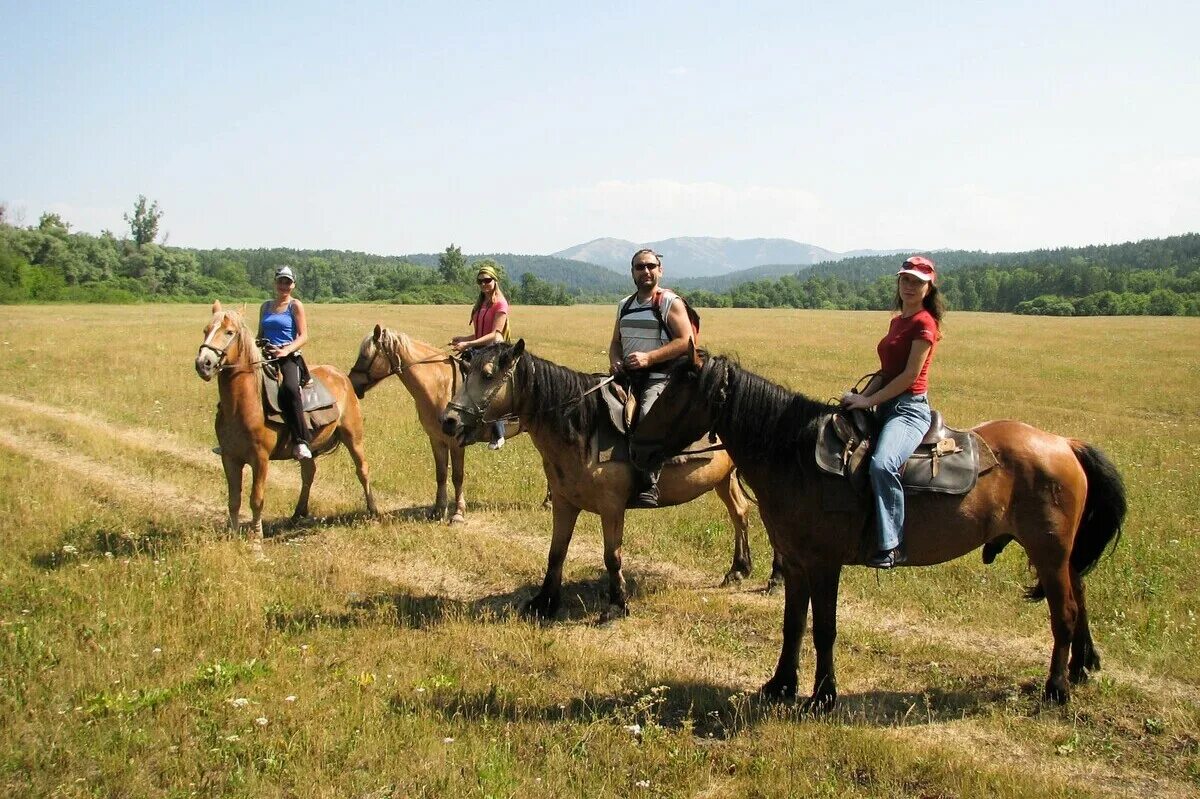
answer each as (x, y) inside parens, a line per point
(734, 577)
(776, 690)
(458, 518)
(539, 608)
(1056, 694)
(612, 613)
(818, 705)
(773, 586)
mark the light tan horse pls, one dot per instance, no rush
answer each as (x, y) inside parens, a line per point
(246, 437)
(560, 410)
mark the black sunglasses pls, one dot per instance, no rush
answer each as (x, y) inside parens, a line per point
(645, 267)
(483, 280)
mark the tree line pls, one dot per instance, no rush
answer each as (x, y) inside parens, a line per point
(48, 262)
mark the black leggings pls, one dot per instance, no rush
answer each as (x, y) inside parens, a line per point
(289, 398)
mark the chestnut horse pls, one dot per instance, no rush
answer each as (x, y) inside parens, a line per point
(560, 409)
(431, 376)
(246, 437)
(1060, 498)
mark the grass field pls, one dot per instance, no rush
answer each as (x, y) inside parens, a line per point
(143, 652)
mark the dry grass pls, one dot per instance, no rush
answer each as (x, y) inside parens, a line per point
(132, 626)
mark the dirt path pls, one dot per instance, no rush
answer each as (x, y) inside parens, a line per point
(641, 639)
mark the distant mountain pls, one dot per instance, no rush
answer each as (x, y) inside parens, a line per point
(698, 257)
(581, 278)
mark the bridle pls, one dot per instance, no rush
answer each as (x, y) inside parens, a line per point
(478, 411)
(395, 365)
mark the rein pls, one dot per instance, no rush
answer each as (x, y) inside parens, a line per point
(397, 367)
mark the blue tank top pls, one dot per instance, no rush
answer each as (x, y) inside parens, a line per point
(279, 328)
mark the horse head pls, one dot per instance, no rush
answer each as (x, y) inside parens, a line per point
(225, 342)
(681, 414)
(485, 395)
(378, 359)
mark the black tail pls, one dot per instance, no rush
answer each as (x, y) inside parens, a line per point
(1103, 512)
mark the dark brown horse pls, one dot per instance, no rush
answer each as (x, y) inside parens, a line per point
(560, 409)
(1059, 498)
(246, 436)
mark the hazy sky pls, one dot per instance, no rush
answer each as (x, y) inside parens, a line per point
(529, 127)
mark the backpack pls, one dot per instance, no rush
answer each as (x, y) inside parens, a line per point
(656, 306)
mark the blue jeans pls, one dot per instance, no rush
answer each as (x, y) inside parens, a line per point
(905, 420)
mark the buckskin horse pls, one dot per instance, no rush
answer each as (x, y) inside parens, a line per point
(1060, 498)
(245, 435)
(431, 377)
(561, 409)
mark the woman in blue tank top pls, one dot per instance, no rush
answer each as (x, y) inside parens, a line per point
(282, 325)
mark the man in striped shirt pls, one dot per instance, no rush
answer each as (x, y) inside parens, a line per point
(651, 331)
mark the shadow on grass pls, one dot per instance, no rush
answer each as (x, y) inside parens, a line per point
(707, 710)
(582, 602)
(91, 540)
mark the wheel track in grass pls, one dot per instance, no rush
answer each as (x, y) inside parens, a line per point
(665, 650)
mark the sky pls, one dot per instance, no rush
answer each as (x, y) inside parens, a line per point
(529, 127)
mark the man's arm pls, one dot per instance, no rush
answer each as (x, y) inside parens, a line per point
(615, 350)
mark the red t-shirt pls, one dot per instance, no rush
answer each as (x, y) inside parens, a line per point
(896, 346)
(485, 319)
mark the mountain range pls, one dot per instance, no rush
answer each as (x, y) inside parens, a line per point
(703, 256)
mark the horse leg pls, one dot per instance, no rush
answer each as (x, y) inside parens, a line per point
(739, 510)
(233, 482)
(823, 582)
(776, 578)
(258, 493)
(782, 684)
(614, 534)
(308, 470)
(441, 465)
(548, 500)
(546, 603)
(354, 445)
(1063, 614)
(458, 456)
(1084, 657)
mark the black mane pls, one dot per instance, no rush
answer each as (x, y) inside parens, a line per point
(759, 419)
(549, 396)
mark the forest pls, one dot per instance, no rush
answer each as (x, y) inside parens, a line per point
(48, 262)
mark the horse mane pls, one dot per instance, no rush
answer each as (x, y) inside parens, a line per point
(247, 346)
(553, 396)
(760, 419)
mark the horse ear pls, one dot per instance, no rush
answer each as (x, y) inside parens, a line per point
(378, 332)
(694, 356)
(518, 348)
(216, 306)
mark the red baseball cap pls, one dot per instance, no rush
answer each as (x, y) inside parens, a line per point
(919, 267)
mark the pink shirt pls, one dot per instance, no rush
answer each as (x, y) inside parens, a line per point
(485, 320)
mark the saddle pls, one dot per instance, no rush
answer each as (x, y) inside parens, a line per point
(609, 442)
(947, 461)
(320, 406)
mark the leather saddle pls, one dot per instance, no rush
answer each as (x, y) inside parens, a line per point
(320, 406)
(610, 440)
(947, 461)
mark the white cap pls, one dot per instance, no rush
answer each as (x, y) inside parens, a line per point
(285, 271)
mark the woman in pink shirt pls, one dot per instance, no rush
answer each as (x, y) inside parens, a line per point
(489, 317)
(899, 392)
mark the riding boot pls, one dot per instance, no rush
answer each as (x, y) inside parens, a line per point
(647, 496)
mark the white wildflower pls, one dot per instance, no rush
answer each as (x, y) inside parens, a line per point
(634, 729)
(241, 701)
(290, 698)
(69, 549)
(642, 783)
(261, 721)
(447, 740)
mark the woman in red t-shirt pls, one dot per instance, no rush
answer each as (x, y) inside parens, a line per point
(899, 392)
(489, 317)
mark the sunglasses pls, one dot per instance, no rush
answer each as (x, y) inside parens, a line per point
(484, 281)
(645, 267)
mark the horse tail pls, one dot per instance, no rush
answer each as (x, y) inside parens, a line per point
(1103, 512)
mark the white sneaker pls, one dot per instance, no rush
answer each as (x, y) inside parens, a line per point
(216, 450)
(497, 444)
(302, 452)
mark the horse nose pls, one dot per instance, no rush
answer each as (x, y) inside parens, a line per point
(203, 368)
(450, 423)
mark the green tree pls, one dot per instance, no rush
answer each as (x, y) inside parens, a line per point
(54, 225)
(452, 265)
(143, 225)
